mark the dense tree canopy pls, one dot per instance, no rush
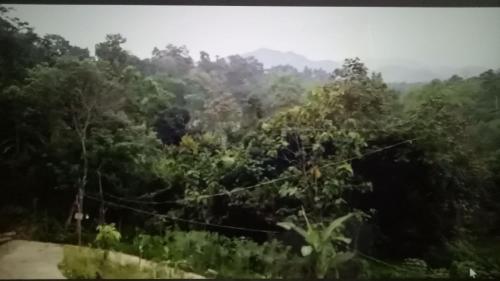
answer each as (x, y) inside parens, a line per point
(226, 142)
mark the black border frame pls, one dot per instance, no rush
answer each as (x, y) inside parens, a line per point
(291, 3)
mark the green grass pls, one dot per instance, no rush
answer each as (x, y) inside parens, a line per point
(85, 263)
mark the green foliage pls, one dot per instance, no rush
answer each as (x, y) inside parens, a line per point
(284, 92)
(86, 263)
(408, 268)
(311, 146)
(57, 46)
(321, 249)
(465, 255)
(224, 138)
(107, 237)
(460, 269)
(77, 264)
(111, 51)
(213, 254)
(22, 49)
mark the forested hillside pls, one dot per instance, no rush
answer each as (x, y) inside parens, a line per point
(233, 170)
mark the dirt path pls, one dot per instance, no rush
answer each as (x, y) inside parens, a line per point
(20, 259)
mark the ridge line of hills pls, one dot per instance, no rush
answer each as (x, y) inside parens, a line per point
(395, 71)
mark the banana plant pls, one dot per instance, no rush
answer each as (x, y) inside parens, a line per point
(321, 250)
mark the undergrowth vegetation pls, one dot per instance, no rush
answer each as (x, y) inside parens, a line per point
(88, 263)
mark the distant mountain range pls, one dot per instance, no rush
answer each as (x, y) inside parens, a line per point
(393, 71)
(272, 58)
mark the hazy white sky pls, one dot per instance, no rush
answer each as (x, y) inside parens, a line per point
(428, 36)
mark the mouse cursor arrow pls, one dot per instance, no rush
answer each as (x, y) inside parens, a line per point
(472, 273)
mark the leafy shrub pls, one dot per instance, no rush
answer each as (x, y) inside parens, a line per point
(228, 257)
(465, 256)
(461, 250)
(460, 269)
(107, 237)
(215, 255)
(149, 247)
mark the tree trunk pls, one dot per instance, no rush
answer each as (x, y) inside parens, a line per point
(79, 219)
(82, 134)
(102, 210)
(71, 212)
(83, 182)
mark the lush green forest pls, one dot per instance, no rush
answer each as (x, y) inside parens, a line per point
(228, 169)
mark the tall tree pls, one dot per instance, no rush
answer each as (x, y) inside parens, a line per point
(57, 46)
(21, 49)
(111, 50)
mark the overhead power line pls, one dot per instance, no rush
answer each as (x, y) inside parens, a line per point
(245, 188)
(142, 201)
(144, 212)
(228, 193)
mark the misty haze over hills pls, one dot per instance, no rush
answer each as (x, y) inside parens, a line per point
(272, 58)
(393, 71)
